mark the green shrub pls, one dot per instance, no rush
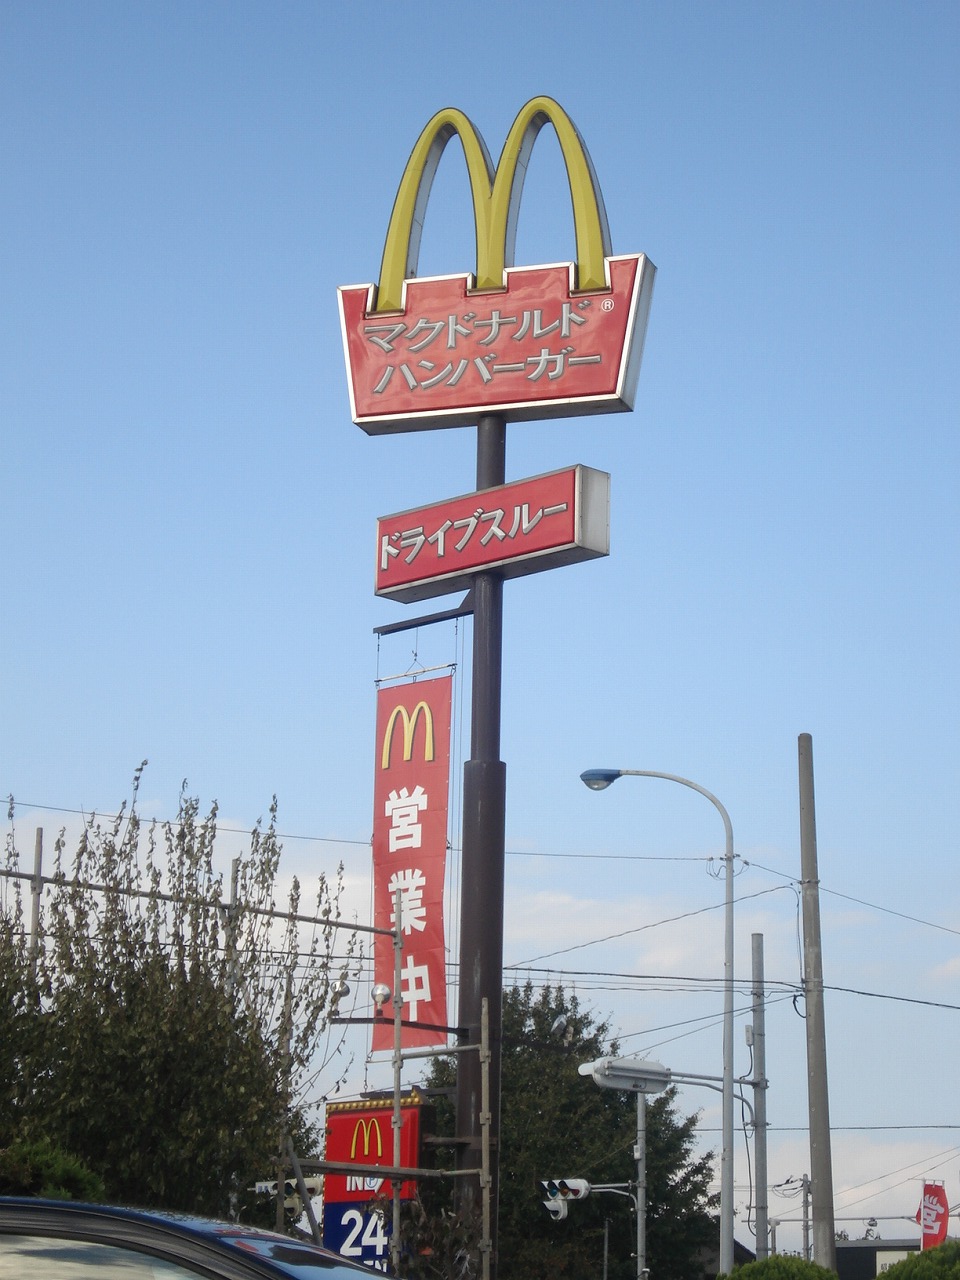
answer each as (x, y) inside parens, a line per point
(41, 1169)
(942, 1263)
(783, 1266)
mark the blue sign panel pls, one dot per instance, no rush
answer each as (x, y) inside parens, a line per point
(358, 1233)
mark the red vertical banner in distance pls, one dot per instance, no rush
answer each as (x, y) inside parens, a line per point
(933, 1215)
(410, 792)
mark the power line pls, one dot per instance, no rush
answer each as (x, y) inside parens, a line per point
(654, 924)
(878, 995)
(236, 831)
(860, 902)
(864, 1128)
(694, 984)
(612, 857)
(890, 912)
(947, 1155)
(288, 835)
(525, 853)
(903, 1169)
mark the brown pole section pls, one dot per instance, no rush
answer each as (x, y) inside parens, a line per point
(481, 907)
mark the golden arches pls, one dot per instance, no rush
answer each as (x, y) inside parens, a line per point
(496, 198)
(409, 719)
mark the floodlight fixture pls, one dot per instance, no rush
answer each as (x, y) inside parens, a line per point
(632, 1075)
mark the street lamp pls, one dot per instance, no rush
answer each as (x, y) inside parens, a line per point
(599, 780)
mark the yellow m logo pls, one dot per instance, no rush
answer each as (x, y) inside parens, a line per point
(368, 1128)
(496, 199)
(409, 720)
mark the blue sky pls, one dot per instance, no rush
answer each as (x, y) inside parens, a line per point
(189, 514)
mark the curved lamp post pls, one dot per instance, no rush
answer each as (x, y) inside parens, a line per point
(599, 780)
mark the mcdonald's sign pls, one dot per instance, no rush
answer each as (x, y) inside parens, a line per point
(529, 342)
(361, 1133)
(366, 1130)
(409, 720)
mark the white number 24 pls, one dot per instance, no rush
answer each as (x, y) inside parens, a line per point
(364, 1232)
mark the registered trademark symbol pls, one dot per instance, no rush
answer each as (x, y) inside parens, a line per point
(606, 304)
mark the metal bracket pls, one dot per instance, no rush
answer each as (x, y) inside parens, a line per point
(464, 609)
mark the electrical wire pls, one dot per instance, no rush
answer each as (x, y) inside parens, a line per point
(948, 1157)
(525, 853)
(655, 924)
(888, 911)
(950, 1152)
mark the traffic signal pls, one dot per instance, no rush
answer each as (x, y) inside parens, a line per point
(270, 1188)
(291, 1194)
(560, 1191)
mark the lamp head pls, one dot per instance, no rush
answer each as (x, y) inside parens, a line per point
(600, 779)
(381, 994)
(630, 1075)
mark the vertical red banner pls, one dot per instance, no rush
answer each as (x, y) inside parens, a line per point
(410, 794)
(933, 1215)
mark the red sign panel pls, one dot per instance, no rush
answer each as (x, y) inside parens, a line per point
(363, 1134)
(518, 528)
(933, 1215)
(409, 853)
(534, 349)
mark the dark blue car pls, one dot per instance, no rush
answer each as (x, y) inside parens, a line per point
(62, 1240)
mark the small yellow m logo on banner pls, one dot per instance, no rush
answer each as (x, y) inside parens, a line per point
(409, 719)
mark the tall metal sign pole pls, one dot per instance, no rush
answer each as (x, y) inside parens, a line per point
(482, 870)
(505, 344)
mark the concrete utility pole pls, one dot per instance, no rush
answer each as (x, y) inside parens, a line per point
(821, 1165)
(758, 1031)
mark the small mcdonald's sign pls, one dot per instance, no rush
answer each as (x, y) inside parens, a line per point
(362, 1133)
